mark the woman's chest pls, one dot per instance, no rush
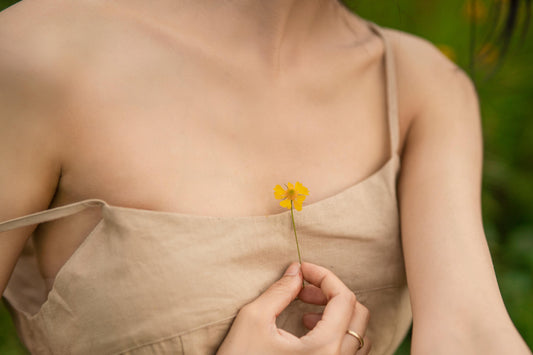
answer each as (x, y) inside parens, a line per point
(195, 135)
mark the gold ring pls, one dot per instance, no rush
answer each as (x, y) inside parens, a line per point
(358, 337)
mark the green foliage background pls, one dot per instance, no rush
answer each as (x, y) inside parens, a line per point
(506, 100)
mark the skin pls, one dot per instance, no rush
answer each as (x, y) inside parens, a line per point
(98, 97)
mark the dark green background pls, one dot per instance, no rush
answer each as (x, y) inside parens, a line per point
(506, 102)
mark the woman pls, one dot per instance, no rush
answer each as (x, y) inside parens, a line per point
(162, 126)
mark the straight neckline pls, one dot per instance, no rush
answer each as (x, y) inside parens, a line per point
(75, 207)
(393, 161)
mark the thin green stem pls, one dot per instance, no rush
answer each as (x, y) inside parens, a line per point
(296, 238)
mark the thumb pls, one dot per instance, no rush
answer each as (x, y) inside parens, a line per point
(282, 292)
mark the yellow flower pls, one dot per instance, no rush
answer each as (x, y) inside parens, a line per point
(294, 193)
(291, 197)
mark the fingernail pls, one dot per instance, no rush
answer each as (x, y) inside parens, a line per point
(293, 270)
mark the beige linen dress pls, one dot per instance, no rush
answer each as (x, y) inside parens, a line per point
(152, 282)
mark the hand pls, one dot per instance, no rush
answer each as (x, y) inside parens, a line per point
(254, 330)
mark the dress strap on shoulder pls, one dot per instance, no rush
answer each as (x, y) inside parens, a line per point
(392, 95)
(50, 215)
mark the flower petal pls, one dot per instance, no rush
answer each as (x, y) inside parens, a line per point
(286, 203)
(291, 186)
(298, 205)
(301, 189)
(300, 199)
(279, 192)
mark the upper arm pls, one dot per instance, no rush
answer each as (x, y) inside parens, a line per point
(450, 274)
(29, 153)
(439, 191)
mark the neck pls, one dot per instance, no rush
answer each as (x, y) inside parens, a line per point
(272, 31)
(268, 24)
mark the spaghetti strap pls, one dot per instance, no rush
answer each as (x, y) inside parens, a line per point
(392, 99)
(50, 215)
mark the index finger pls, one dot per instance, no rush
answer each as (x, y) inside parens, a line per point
(340, 301)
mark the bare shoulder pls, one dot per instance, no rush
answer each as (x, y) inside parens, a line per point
(28, 31)
(38, 38)
(418, 57)
(33, 45)
(425, 76)
(32, 73)
(44, 47)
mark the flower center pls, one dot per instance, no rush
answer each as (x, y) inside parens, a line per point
(291, 194)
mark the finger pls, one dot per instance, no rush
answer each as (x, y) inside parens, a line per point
(324, 279)
(340, 306)
(365, 350)
(311, 319)
(358, 324)
(281, 293)
(352, 345)
(312, 294)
